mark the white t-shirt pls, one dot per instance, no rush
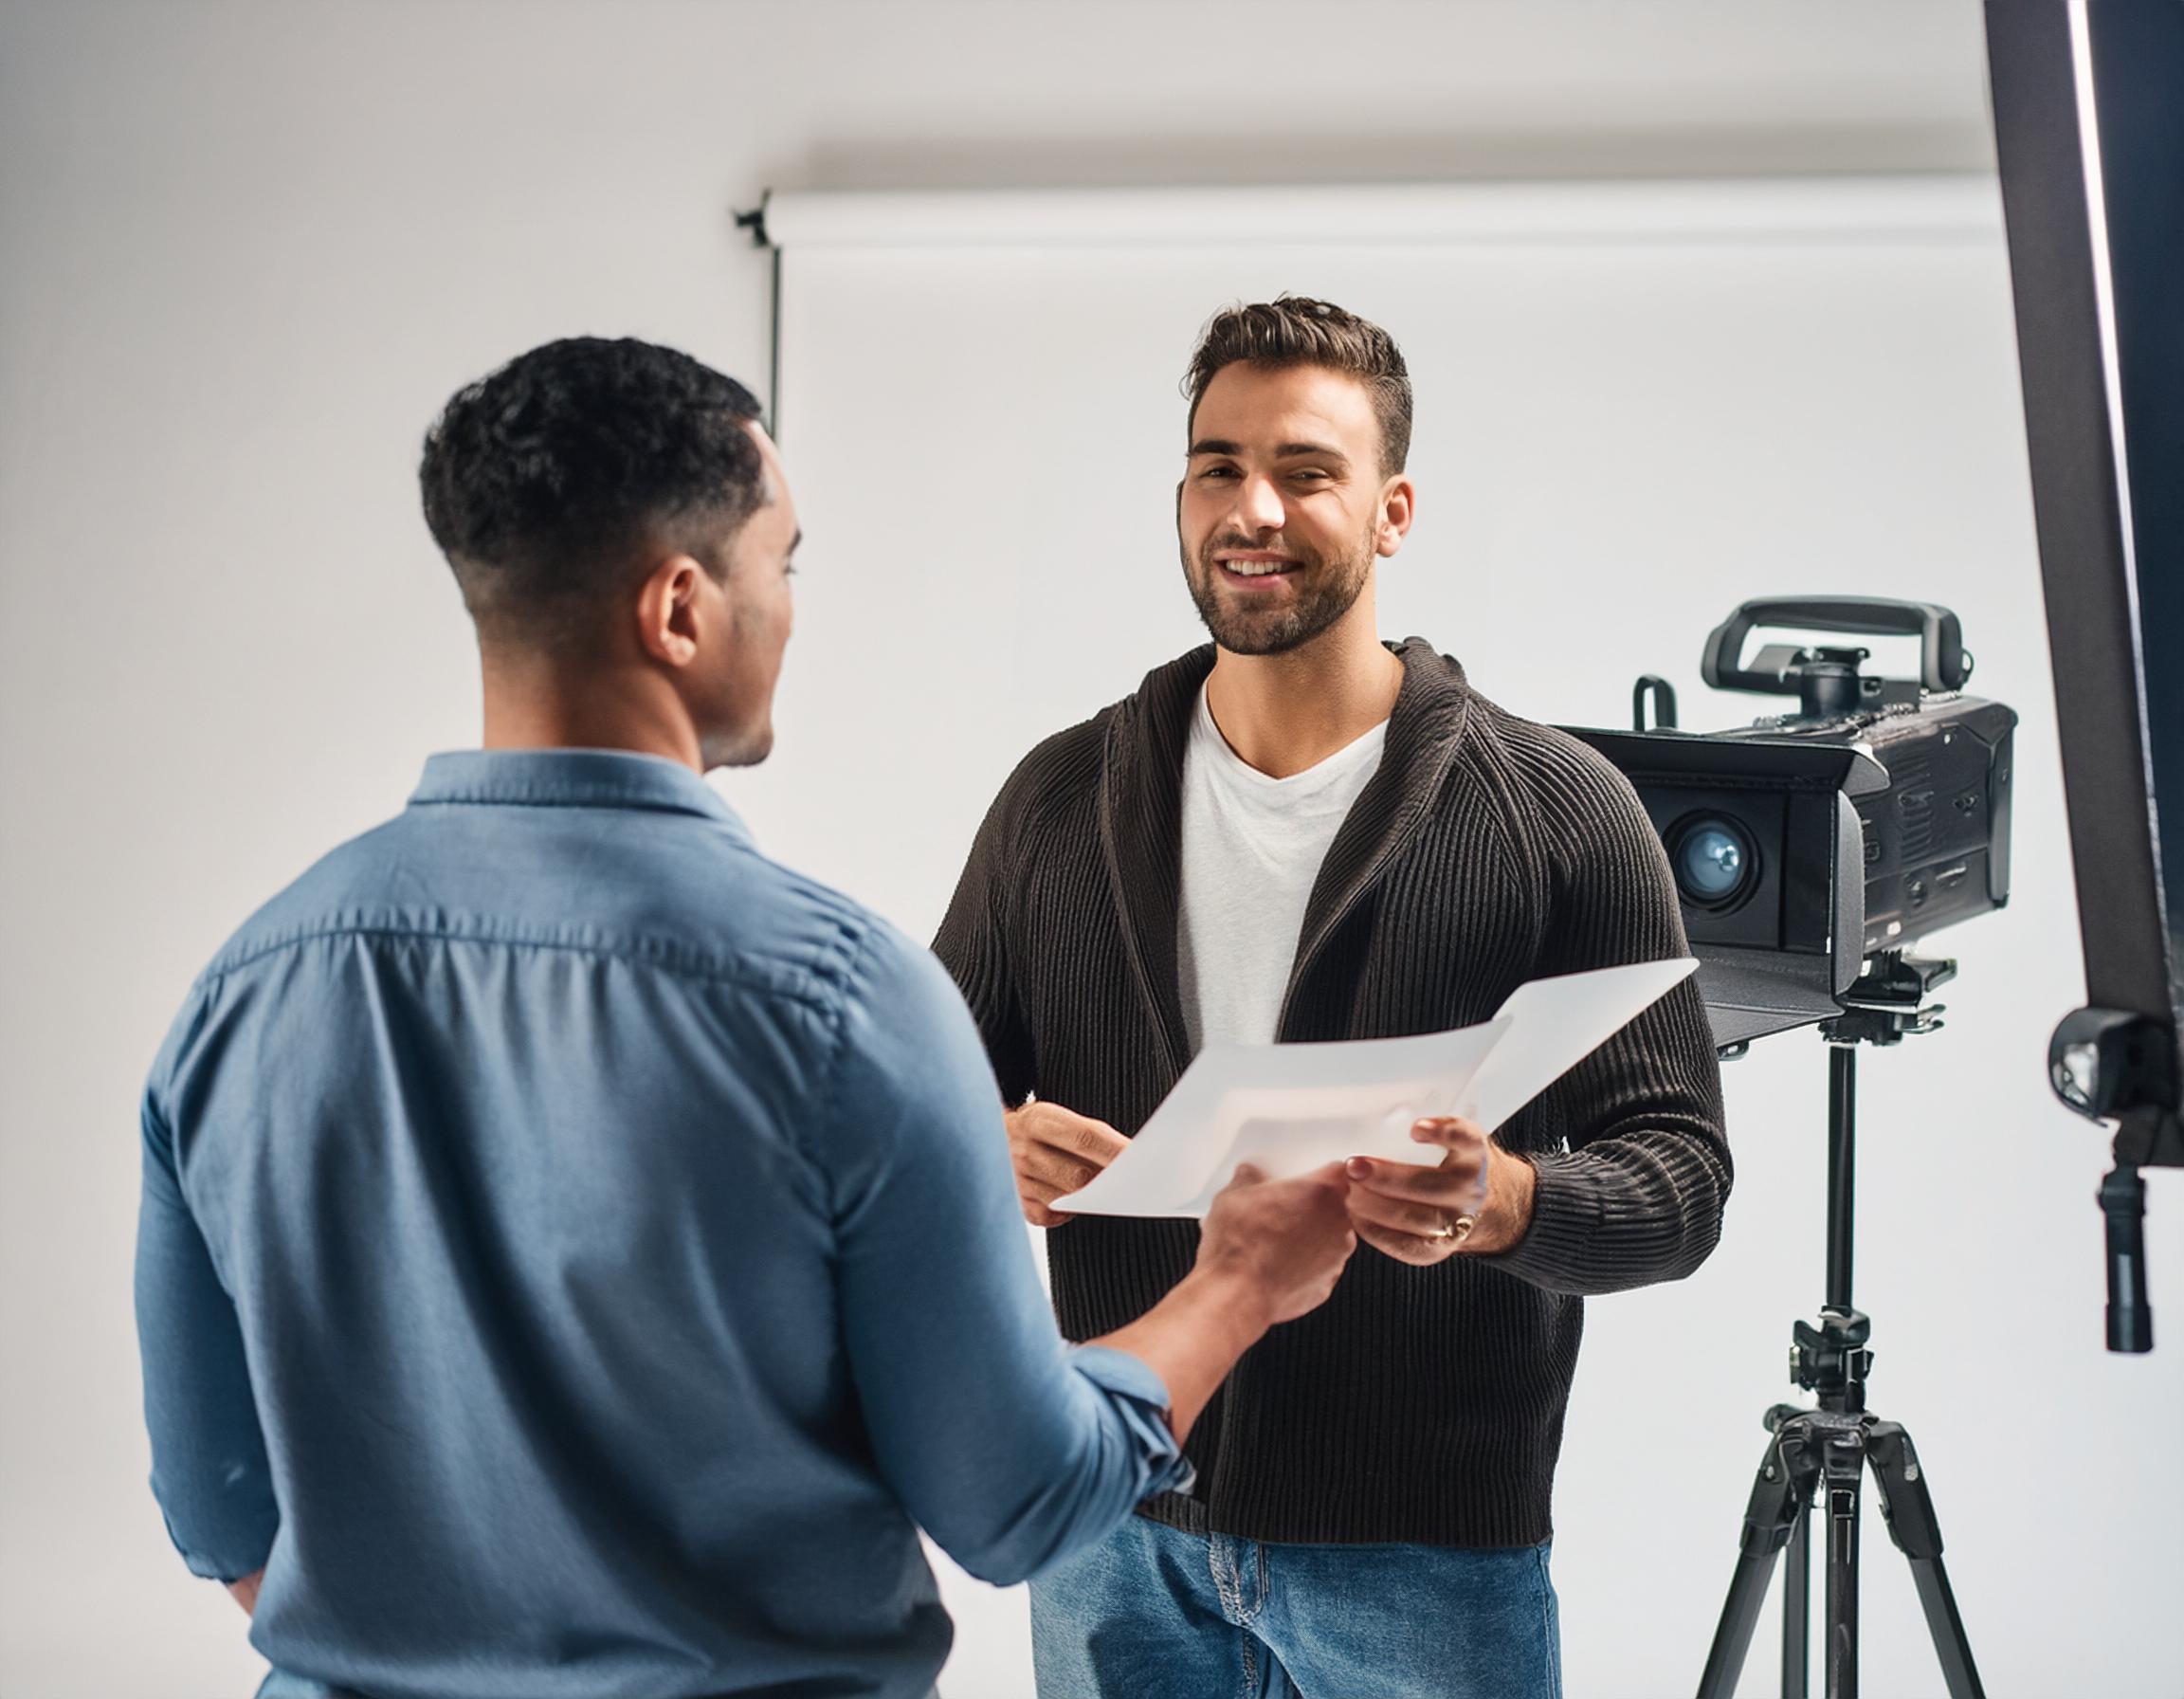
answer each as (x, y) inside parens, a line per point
(1251, 849)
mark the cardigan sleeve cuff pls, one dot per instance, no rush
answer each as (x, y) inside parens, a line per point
(1569, 1209)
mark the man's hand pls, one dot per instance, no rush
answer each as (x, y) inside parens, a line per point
(1413, 1213)
(1054, 1152)
(1283, 1242)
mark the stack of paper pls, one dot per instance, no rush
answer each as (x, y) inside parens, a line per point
(1289, 1109)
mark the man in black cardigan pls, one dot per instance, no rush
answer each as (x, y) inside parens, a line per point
(1300, 833)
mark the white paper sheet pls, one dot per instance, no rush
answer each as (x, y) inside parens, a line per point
(1289, 1109)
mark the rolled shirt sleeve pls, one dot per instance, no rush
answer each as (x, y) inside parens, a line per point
(1009, 1448)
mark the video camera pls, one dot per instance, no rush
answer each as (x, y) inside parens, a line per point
(1807, 843)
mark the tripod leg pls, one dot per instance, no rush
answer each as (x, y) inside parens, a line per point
(1844, 1473)
(1779, 1492)
(1908, 1510)
(1798, 1608)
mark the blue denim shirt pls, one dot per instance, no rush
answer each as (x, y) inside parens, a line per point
(577, 1253)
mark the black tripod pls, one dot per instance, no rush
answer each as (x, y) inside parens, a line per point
(1818, 1457)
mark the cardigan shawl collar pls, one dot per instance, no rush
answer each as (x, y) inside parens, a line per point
(1141, 817)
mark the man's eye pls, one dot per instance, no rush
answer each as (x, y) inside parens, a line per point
(1218, 472)
(1310, 475)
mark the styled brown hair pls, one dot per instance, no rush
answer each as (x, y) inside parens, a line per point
(1295, 330)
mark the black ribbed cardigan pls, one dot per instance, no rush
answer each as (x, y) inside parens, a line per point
(1416, 1404)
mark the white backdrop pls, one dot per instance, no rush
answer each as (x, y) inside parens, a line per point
(1620, 435)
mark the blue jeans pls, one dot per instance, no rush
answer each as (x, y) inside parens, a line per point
(1150, 1612)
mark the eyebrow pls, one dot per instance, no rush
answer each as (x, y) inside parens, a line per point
(1217, 445)
(794, 543)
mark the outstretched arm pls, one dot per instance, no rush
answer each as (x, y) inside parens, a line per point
(1009, 1448)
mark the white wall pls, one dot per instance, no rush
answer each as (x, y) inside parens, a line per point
(244, 251)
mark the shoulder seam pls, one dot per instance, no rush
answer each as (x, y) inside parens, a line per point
(662, 958)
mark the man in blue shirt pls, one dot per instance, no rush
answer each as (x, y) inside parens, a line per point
(576, 1252)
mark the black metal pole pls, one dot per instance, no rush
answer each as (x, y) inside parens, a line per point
(755, 222)
(773, 350)
(1841, 1169)
(2123, 1199)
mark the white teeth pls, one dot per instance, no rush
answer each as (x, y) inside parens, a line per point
(1252, 569)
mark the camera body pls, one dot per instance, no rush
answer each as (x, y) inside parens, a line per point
(1806, 843)
(1934, 843)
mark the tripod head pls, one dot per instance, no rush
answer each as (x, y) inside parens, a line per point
(1887, 1002)
(1828, 1358)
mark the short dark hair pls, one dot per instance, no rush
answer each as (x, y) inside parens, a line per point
(551, 484)
(1295, 330)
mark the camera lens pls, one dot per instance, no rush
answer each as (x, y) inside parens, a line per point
(1714, 862)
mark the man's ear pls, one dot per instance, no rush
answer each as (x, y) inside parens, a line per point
(1398, 507)
(668, 610)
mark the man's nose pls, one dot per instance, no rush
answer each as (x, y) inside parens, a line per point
(1258, 505)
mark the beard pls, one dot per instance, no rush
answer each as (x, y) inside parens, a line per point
(1327, 587)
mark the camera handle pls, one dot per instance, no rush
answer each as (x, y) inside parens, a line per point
(1943, 662)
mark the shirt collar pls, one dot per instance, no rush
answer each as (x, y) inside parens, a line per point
(571, 779)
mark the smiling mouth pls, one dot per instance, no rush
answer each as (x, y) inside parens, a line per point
(1255, 569)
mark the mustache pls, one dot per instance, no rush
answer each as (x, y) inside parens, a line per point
(1248, 545)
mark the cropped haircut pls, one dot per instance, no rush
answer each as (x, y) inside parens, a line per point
(553, 485)
(1295, 330)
